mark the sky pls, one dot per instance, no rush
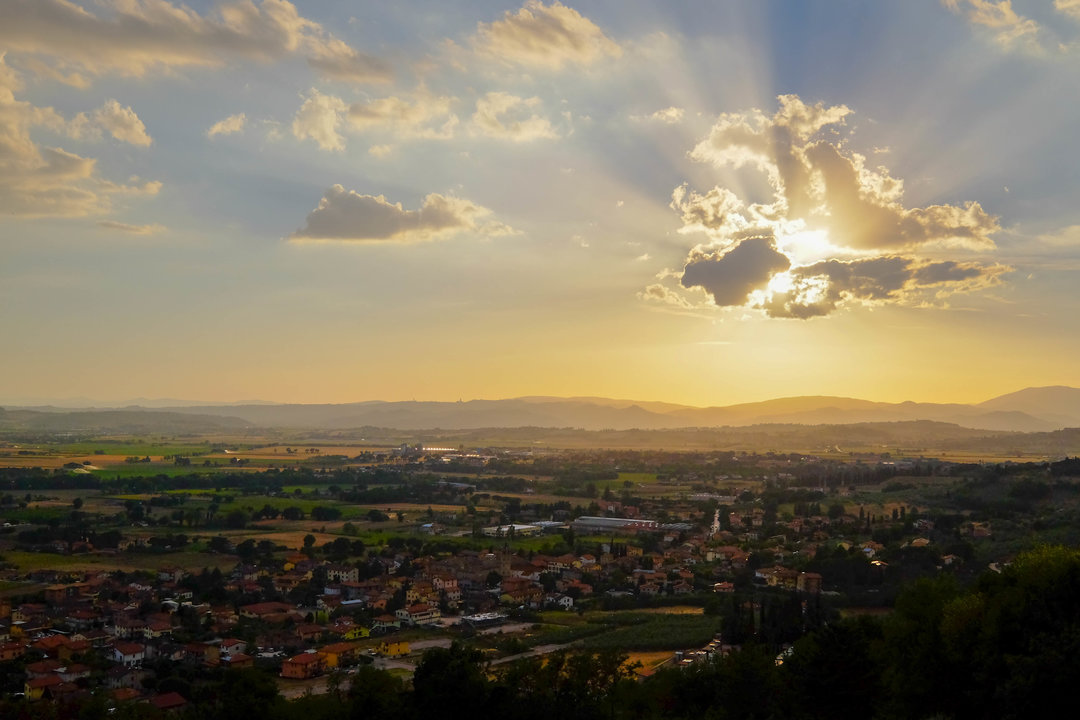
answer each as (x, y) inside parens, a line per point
(698, 202)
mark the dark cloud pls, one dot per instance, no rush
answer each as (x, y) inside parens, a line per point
(945, 272)
(821, 288)
(729, 277)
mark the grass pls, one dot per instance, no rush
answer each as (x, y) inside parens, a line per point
(635, 478)
(657, 632)
(153, 469)
(135, 447)
(201, 499)
(8, 585)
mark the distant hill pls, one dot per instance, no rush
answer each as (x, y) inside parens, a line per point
(116, 422)
(1030, 410)
(1057, 404)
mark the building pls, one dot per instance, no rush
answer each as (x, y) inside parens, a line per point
(129, 654)
(602, 525)
(392, 649)
(515, 530)
(418, 614)
(303, 666)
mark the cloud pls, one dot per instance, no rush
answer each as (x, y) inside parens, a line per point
(545, 36)
(1046, 34)
(509, 117)
(423, 116)
(824, 186)
(229, 126)
(38, 181)
(133, 37)
(335, 60)
(345, 215)
(818, 289)
(323, 118)
(834, 233)
(122, 123)
(131, 229)
(319, 118)
(659, 293)
(1009, 29)
(668, 116)
(730, 276)
(1068, 7)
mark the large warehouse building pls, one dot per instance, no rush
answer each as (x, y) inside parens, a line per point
(587, 524)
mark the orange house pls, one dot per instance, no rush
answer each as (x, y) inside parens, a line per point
(302, 666)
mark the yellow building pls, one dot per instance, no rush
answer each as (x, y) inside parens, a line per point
(392, 649)
(356, 632)
(340, 654)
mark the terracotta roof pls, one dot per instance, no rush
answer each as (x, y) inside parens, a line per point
(168, 701)
(124, 694)
(43, 682)
(304, 659)
(125, 648)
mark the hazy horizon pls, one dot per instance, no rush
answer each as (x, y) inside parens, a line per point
(705, 205)
(162, 402)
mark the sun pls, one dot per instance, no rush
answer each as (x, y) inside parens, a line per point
(806, 247)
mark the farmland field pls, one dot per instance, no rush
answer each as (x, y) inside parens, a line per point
(192, 561)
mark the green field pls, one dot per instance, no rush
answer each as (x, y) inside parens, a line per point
(130, 470)
(141, 448)
(635, 478)
(656, 632)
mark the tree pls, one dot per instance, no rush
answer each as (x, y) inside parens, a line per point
(453, 672)
(309, 541)
(374, 694)
(77, 503)
(236, 519)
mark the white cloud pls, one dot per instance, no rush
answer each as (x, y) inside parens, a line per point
(509, 117)
(668, 116)
(661, 294)
(545, 36)
(122, 123)
(1069, 7)
(822, 185)
(347, 216)
(319, 118)
(133, 37)
(131, 229)
(1007, 26)
(422, 116)
(337, 61)
(38, 181)
(229, 126)
(1036, 27)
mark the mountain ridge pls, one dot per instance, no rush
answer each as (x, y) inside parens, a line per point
(1039, 409)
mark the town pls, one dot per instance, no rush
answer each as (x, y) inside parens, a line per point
(140, 587)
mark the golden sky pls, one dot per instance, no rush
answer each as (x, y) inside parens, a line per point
(705, 203)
